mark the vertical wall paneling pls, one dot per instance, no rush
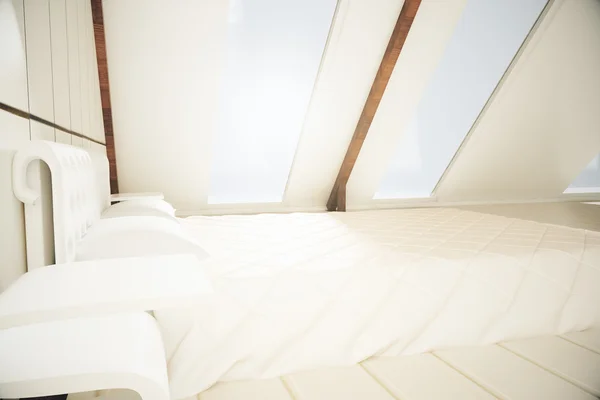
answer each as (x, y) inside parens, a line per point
(83, 68)
(63, 137)
(41, 90)
(60, 62)
(40, 131)
(39, 58)
(14, 132)
(13, 69)
(73, 53)
(77, 141)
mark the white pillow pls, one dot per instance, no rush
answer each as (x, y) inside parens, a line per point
(134, 237)
(142, 207)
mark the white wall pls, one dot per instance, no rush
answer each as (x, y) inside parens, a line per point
(36, 72)
(543, 126)
(13, 70)
(15, 131)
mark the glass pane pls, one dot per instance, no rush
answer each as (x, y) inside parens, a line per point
(486, 39)
(588, 181)
(274, 49)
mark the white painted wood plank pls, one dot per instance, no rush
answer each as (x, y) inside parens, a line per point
(508, 376)
(40, 131)
(267, 389)
(83, 66)
(565, 359)
(74, 73)
(76, 141)
(63, 137)
(590, 339)
(60, 63)
(423, 377)
(346, 383)
(39, 58)
(14, 133)
(98, 147)
(13, 68)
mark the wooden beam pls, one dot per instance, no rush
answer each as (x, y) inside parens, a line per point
(98, 19)
(337, 198)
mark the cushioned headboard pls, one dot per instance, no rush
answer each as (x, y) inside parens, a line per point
(80, 192)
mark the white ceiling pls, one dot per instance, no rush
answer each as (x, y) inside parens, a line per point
(535, 136)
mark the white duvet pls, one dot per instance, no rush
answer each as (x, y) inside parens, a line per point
(300, 291)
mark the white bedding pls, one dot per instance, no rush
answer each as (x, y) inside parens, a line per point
(300, 291)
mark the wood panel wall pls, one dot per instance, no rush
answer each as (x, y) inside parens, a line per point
(48, 76)
(48, 90)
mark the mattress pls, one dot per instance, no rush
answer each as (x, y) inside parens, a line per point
(303, 291)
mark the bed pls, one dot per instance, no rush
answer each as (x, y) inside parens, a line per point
(301, 291)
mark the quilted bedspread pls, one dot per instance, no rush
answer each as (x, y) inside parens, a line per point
(300, 291)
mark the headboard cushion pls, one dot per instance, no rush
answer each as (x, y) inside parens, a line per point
(79, 191)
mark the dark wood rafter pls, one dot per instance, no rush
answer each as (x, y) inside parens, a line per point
(337, 198)
(98, 19)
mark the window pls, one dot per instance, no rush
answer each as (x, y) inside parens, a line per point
(274, 50)
(588, 181)
(485, 41)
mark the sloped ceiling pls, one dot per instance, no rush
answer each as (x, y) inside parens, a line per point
(420, 55)
(539, 130)
(164, 60)
(164, 64)
(543, 125)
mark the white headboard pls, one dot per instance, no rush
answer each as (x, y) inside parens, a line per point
(80, 192)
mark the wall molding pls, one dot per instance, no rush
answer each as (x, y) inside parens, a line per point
(32, 117)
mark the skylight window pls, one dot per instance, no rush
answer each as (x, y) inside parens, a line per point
(483, 44)
(274, 51)
(588, 181)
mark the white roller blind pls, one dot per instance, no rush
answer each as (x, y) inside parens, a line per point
(274, 49)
